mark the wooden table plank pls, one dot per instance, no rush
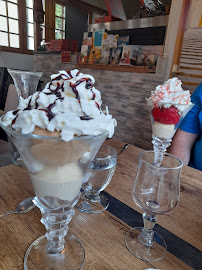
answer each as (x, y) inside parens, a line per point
(102, 234)
(185, 220)
(109, 239)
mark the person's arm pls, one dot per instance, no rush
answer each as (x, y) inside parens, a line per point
(182, 144)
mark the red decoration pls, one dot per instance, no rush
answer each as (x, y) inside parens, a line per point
(115, 12)
(60, 45)
(66, 57)
(166, 115)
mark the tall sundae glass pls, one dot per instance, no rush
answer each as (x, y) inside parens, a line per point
(56, 169)
(57, 135)
(168, 105)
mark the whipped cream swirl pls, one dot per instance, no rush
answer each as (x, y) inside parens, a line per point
(170, 92)
(69, 104)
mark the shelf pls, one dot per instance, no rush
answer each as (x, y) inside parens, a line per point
(131, 24)
(119, 68)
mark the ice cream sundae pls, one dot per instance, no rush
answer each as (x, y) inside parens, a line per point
(68, 108)
(58, 132)
(69, 105)
(168, 103)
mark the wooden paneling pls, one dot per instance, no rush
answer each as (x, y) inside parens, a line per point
(49, 20)
(119, 68)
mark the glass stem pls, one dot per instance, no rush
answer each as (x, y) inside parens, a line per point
(147, 234)
(56, 223)
(160, 146)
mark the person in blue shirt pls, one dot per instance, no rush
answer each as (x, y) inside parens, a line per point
(187, 142)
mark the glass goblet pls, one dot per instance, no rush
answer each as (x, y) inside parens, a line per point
(156, 190)
(25, 81)
(165, 120)
(26, 84)
(96, 180)
(56, 169)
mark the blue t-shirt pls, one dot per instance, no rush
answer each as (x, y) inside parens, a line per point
(192, 123)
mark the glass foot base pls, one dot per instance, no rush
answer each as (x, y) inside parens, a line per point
(154, 253)
(18, 162)
(92, 205)
(70, 258)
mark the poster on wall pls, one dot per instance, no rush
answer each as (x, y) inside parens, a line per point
(126, 54)
(95, 55)
(143, 55)
(97, 36)
(85, 52)
(116, 55)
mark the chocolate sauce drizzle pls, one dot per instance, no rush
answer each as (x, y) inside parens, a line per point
(89, 85)
(85, 117)
(57, 93)
(29, 105)
(48, 111)
(15, 112)
(70, 74)
(14, 120)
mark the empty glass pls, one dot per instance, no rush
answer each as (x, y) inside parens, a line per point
(26, 83)
(156, 190)
(96, 180)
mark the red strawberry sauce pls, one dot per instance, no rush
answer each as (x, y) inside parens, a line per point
(166, 115)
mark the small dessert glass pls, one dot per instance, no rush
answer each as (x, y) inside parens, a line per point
(162, 132)
(56, 169)
(26, 84)
(156, 190)
(96, 180)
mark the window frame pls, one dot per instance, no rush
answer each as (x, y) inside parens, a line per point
(21, 4)
(49, 22)
(63, 18)
(50, 18)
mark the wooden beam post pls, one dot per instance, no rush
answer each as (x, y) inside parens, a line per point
(175, 32)
(38, 19)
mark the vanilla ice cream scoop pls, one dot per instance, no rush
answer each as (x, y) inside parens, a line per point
(69, 104)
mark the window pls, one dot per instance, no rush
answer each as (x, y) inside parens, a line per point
(55, 14)
(16, 25)
(60, 11)
(30, 24)
(9, 24)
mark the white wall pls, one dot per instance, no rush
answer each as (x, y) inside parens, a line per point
(195, 14)
(17, 61)
(98, 3)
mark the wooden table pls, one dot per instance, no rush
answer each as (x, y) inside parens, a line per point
(103, 234)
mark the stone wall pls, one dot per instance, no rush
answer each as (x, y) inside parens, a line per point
(123, 92)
